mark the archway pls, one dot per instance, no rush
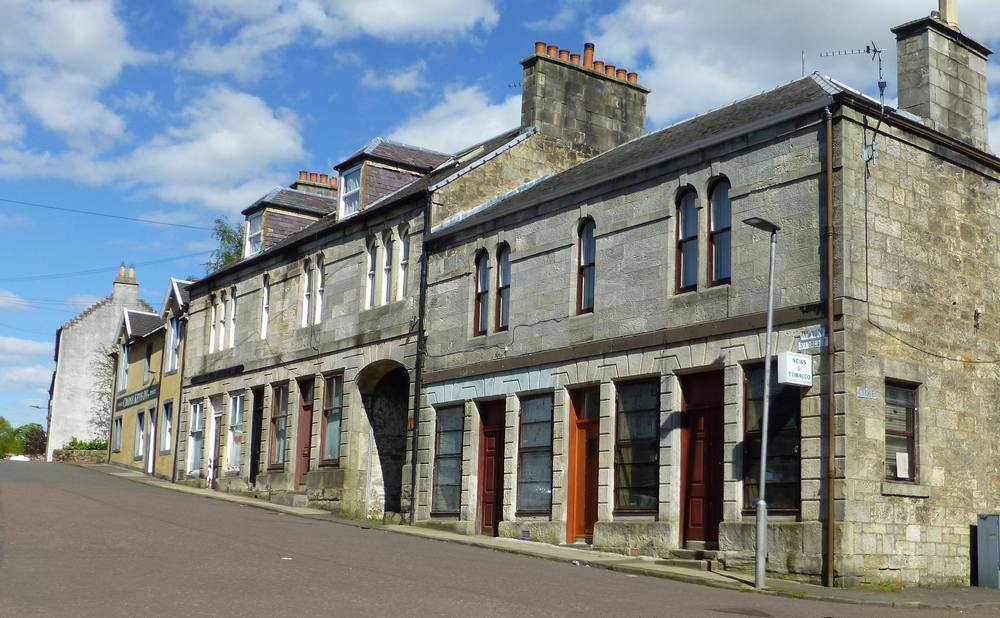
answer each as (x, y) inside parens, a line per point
(384, 388)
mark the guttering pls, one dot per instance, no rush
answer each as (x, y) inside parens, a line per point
(831, 401)
(418, 370)
(180, 397)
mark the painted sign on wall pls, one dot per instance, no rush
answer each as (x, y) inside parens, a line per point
(795, 369)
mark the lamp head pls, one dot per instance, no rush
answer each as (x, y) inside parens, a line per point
(762, 224)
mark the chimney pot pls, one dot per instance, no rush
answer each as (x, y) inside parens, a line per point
(553, 50)
(540, 48)
(599, 66)
(633, 78)
(323, 179)
(621, 74)
(121, 271)
(574, 58)
(313, 177)
(609, 70)
(131, 272)
(588, 55)
(303, 175)
(564, 54)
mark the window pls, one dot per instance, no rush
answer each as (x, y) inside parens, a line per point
(234, 444)
(168, 427)
(140, 435)
(211, 324)
(782, 442)
(386, 268)
(333, 408)
(637, 446)
(404, 262)
(534, 459)
(372, 253)
(687, 242)
(174, 349)
(221, 326)
(279, 426)
(307, 282)
(255, 234)
(232, 317)
(720, 234)
(586, 262)
(503, 287)
(900, 432)
(116, 435)
(319, 271)
(265, 305)
(350, 196)
(122, 367)
(196, 435)
(447, 496)
(147, 364)
(482, 308)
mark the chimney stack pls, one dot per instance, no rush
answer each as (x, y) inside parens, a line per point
(315, 182)
(942, 75)
(589, 104)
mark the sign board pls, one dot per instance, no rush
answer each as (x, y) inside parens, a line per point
(795, 369)
(867, 393)
(127, 401)
(812, 337)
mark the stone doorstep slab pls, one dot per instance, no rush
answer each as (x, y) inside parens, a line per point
(925, 598)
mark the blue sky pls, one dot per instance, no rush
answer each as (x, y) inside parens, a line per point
(186, 110)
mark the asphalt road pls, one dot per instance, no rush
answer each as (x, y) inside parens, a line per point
(77, 542)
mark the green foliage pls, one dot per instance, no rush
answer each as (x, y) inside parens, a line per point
(76, 444)
(229, 235)
(101, 396)
(32, 437)
(9, 443)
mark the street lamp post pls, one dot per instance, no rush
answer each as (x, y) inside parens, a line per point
(760, 553)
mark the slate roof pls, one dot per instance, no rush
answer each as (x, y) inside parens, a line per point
(800, 96)
(395, 152)
(294, 199)
(140, 323)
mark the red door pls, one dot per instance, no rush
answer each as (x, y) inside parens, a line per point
(584, 440)
(702, 455)
(303, 439)
(491, 467)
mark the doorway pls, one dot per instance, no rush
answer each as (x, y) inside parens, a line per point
(584, 442)
(215, 433)
(384, 387)
(256, 432)
(303, 434)
(151, 445)
(702, 455)
(491, 445)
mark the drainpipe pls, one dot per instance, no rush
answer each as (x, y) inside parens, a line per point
(179, 411)
(114, 403)
(418, 372)
(831, 403)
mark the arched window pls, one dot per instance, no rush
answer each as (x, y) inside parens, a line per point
(307, 291)
(404, 261)
(482, 308)
(265, 304)
(232, 317)
(387, 268)
(503, 287)
(687, 242)
(586, 263)
(221, 338)
(320, 287)
(720, 234)
(372, 253)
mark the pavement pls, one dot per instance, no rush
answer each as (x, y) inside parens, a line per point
(962, 599)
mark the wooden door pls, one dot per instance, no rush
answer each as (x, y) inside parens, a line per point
(584, 441)
(491, 444)
(303, 437)
(256, 432)
(702, 440)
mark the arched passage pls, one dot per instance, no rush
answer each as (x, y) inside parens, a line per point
(384, 388)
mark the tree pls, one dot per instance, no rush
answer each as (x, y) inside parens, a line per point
(32, 438)
(229, 235)
(9, 444)
(101, 395)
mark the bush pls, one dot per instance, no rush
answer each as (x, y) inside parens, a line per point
(76, 444)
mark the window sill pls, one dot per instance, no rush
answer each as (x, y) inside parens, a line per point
(166, 452)
(907, 489)
(534, 515)
(170, 373)
(444, 515)
(329, 463)
(643, 514)
(687, 290)
(719, 283)
(276, 467)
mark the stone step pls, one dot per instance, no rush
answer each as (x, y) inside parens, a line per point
(291, 498)
(694, 554)
(698, 565)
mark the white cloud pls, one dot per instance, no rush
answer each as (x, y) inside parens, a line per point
(11, 127)
(34, 377)
(264, 27)
(9, 301)
(465, 117)
(406, 79)
(14, 349)
(7, 220)
(561, 20)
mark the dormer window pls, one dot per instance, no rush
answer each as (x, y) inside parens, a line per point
(255, 234)
(350, 196)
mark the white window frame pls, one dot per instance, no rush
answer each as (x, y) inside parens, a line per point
(222, 321)
(404, 262)
(196, 427)
(254, 240)
(387, 267)
(168, 426)
(147, 364)
(116, 439)
(319, 272)
(265, 304)
(122, 367)
(307, 277)
(211, 329)
(344, 193)
(173, 347)
(371, 251)
(140, 435)
(232, 317)
(235, 431)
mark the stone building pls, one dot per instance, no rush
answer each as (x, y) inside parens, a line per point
(593, 368)
(81, 344)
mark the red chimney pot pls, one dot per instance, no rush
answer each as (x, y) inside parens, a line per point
(609, 70)
(553, 50)
(574, 58)
(599, 66)
(621, 73)
(313, 177)
(323, 179)
(540, 48)
(633, 78)
(303, 175)
(588, 55)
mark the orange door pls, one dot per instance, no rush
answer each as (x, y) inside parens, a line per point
(491, 467)
(584, 439)
(303, 437)
(702, 455)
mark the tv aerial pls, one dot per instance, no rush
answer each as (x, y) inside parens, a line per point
(872, 50)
